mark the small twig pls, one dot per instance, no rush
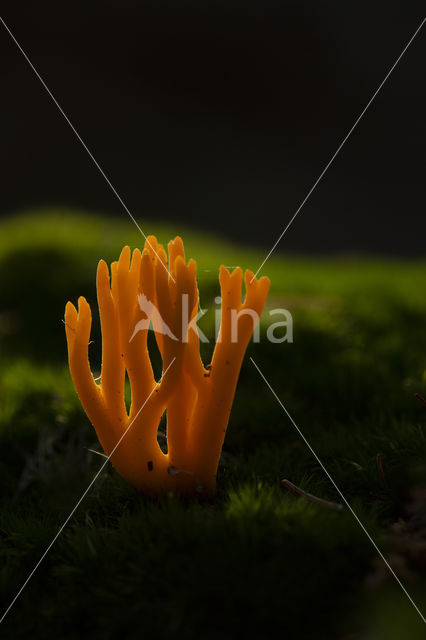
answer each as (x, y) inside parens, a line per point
(297, 491)
(98, 452)
(419, 397)
(381, 474)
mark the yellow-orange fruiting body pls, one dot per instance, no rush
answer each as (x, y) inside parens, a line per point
(198, 400)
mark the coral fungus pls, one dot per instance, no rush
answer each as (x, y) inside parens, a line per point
(147, 287)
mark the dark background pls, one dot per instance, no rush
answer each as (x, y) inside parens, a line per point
(222, 115)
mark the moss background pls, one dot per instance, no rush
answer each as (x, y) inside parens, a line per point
(255, 559)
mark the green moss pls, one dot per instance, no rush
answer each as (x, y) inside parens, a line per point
(255, 557)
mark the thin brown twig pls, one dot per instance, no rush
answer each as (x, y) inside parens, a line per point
(300, 493)
(419, 397)
(381, 473)
(99, 453)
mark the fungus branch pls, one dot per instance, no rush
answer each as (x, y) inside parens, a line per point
(198, 400)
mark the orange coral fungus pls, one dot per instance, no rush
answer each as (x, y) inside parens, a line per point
(149, 288)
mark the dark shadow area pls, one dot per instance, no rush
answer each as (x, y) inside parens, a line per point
(222, 115)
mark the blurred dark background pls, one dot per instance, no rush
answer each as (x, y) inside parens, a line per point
(222, 115)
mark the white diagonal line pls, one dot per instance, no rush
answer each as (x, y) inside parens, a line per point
(347, 136)
(341, 494)
(84, 145)
(78, 503)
